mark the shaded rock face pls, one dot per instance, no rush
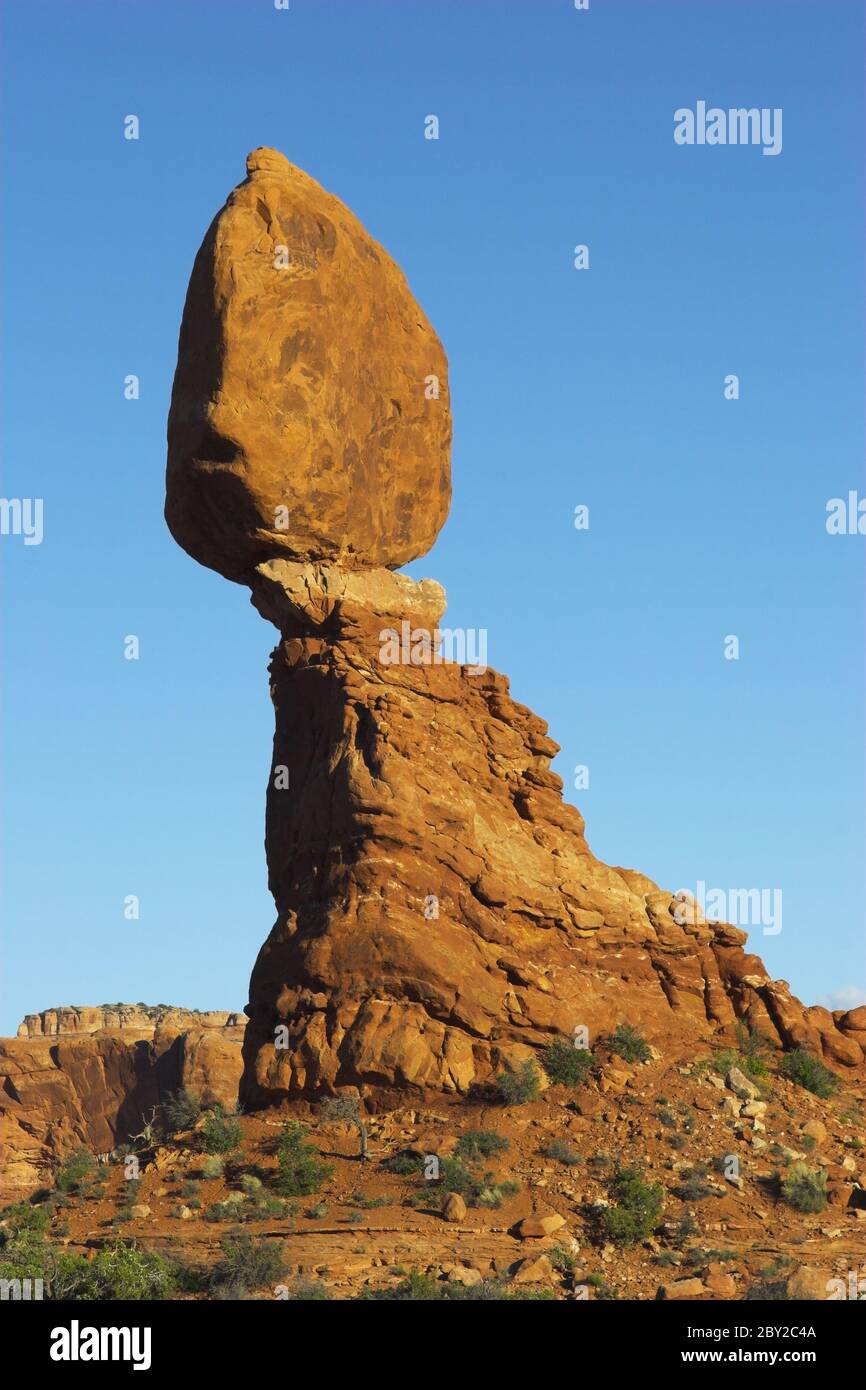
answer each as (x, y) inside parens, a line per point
(309, 416)
(440, 913)
(63, 1088)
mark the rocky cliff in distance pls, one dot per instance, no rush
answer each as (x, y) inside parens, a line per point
(66, 1080)
(74, 1018)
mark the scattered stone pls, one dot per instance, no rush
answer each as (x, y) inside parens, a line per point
(740, 1084)
(454, 1208)
(682, 1288)
(807, 1283)
(540, 1225)
(815, 1129)
(536, 1269)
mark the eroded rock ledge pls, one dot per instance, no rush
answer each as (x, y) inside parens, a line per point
(440, 913)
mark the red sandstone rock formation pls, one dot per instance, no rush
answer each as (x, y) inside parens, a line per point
(309, 415)
(439, 910)
(440, 913)
(65, 1085)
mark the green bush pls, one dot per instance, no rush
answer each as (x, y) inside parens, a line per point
(629, 1043)
(404, 1164)
(567, 1065)
(476, 1189)
(301, 1170)
(231, 1209)
(693, 1186)
(220, 1134)
(77, 1169)
(251, 1184)
(804, 1068)
(562, 1152)
(269, 1208)
(480, 1143)
(417, 1287)
(246, 1264)
(637, 1210)
(682, 1231)
(180, 1110)
(213, 1167)
(519, 1086)
(805, 1188)
(754, 1047)
(24, 1252)
(117, 1271)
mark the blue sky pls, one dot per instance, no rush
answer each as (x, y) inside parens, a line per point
(601, 387)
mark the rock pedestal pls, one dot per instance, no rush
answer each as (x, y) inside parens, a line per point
(439, 912)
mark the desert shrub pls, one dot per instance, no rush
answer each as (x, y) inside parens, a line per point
(754, 1048)
(213, 1167)
(220, 1133)
(682, 1231)
(775, 1292)
(251, 1184)
(365, 1203)
(693, 1185)
(638, 1207)
(804, 1069)
(231, 1209)
(629, 1043)
(405, 1164)
(301, 1170)
(480, 1143)
(308, 1291)
(78, 1169)
(130, 1195)
(118, 1271)
(677, 1141)
(476, 1189)
(667, 1119)
(703, 1256)
(317, 1211)
(269, 1208)
(519, 1086)
(601, 1160)
(567, 1065)
(23, 1216)
(564, 1261)
(603, 1290)
(562, 1152)
(180, 1110)
(805, 1188)
(24, 1252)
(246, 1264)
(190, 1188)
(417, 1287)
